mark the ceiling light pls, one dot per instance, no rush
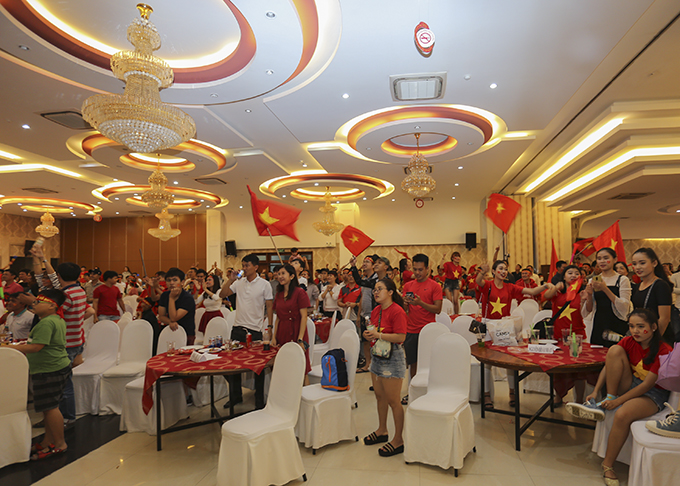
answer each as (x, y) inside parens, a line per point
(240, 207)
(364, 199)
(248, 110)
(304, 200)
(175, 182)
(158, 197)
(493, 86)
(345, 96)
(460, 167)
(117, 212)
(283, 195)
(416, 127)
(214, 95)
(115, 180)
(138, 118)
(677, 210)
(454, 197)
(270, 14)
(328, 226)
(19, 204)
(116, 198)
(467, 77)
(207, 206)
(316, 183)
(7, 155)
(269, 72)
(393, 200)
(25, 210)
(25, 127)
(456, 184)
(304, 165)
(418, 182)
(24, 48)
(190, 209)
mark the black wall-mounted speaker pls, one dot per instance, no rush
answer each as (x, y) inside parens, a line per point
(230, 245)
(470, 240)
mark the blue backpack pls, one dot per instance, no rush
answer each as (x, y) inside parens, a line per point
(334, 370)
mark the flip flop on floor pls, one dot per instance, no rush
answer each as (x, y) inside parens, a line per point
(46, 452)
(404, 401)
(389, 450)
(488, 403)
(362, 370)
(373, 438)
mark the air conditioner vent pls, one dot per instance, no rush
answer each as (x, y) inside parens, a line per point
(627, 196)
(211, 181)
(68, 119)
(39, 190)
(418, 87)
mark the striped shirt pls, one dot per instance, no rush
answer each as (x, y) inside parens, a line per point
(74, 310)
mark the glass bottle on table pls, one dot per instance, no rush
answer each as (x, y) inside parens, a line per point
(266, 338)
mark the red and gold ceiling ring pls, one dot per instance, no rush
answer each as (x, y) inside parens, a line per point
(42, 204)
(194, 194)
(399, 150)
(271, 186)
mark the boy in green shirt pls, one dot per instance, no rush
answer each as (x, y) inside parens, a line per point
(50, 368)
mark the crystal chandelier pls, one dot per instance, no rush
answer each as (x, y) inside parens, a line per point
(328, 226)
(138, 118)
(164, 231)
(47, 228)
(157, 197)
(418, 182)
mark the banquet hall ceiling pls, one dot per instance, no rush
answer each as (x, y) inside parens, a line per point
(285, 86)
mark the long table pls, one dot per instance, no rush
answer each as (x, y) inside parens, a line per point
(590, 360)
(163, 368)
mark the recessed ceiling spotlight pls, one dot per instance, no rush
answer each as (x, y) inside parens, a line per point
(493, 86)
(202, 200)
(677, 210)
(416, 127)
(249, 110)
(117, 212)
(18, 204)
(304, 165)
(305, 200)
(470, 143)
(214, 95)
(316, 183)
(454, 197)
(26, 127)
(337, 202)
(115, 180)
(393, 200)
(99, 202)
(368, 148)
(269, 72)
(364, 199)
(175, 182)
(283, 195)
(135, 194)
(240, 207)
(190, 209)
(460, 167)
(456, 184)
(467, 77)
(116, 198)
(345, 96)
(270, 14)
(70, 207)
(72, 214)
(207, 206)
(24, 48)
(25, 210)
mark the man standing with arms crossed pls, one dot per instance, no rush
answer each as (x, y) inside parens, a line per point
(424, 298)
(253, 294)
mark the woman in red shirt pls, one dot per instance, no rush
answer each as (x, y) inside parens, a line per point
(388, 322)
(290, 305)
(496, 300)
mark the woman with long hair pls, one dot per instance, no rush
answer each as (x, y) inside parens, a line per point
(621, 268)
(654, 292)
(607, 295)
(388, 320)
(290, 304)
(210, 298)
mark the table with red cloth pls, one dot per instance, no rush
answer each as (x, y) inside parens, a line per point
(323, 327)
(474, 316)
(517, 359)
(180, 366)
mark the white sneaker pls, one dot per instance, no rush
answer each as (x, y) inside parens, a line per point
(668, 427)
(589, 410)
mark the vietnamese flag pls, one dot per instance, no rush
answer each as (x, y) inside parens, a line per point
(583, 247)
(355, 240)
(611, 238)
(553, 262)
(574, 288)
(501, 210)
(273, 218)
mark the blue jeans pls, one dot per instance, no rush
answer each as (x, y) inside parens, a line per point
(67, 406)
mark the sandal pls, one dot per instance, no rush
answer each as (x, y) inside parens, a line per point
(609, 481)
(36, 447)
(46, 452)
(389, 450)
(488, 403)
(404, 401)
(362, 370)
(512, 398)
(373, 438)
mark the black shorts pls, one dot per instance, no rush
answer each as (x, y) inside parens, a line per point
(48, 388)
(452, 284)
(411, 348)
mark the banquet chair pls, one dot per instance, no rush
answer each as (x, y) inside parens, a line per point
(87, 325)
(447, 306)
(530, 308)
(444, 318)
(130, 302)
(101, 353)
(326, 415)
(469, 307)
(602, 431)
(439, 429)
(231, 318)
(15, 425)
(654, 458)
(201, 395)
(225, 311)
(461, 325)
(428, 335)
(539, 316)
(537, 382)
(173, 398)
(333, 343)
(125, 319)
(321, 348)
(135, 351)
(200, 338)
(260, 447)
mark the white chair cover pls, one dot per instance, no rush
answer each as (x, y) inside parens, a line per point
(428, 335)
(87, 325)
(326, 415)
(447, 306)
(602, 431)
(15, 425)
(135, 351)
(461, 326)
(654, 459)
(311, 335)
(469, 307)
(333, 343)
(130, 302)
(260, 448)
(231, 319)
(540, 315)
(125, 319)
(173, 398)
(439, 428)
(530, 308)
(321, 348)
(225, 312)
(200, 338)
(443, 318)
(201, 395)
(101, 353)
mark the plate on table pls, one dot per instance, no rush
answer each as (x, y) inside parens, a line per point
(547, 341)
(191, 346)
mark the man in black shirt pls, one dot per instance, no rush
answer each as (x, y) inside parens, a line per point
(176, 306)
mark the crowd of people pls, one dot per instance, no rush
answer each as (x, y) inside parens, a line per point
(630, 307)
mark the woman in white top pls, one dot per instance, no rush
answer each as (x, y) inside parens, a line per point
(330, 295)
(607, 296)
(210, 298)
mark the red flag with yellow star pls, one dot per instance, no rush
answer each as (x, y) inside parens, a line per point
(501, 210)
(272, 217)
(355, 240)
(573, 289)
(553, 262)
(611, 238)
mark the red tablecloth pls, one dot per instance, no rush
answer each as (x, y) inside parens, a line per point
(558, 358)
(323, 328)
(254, 359)
(474, 316)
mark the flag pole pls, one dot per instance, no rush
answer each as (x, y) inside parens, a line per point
(273, 243)
(143, 265)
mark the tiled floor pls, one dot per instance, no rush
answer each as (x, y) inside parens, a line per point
(552, 455)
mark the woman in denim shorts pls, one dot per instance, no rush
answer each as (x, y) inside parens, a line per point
(388, 321)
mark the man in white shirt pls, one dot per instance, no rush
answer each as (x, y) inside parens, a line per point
(330, 294)
(253, 295)
(20, 319)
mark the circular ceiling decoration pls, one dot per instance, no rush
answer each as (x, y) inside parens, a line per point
(56, 206)
(185, 198)
(343, 187)
(431, 144)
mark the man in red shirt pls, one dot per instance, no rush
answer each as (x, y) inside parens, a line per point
(526, 282)
(424, 298)
(106, 297)
(11, 287)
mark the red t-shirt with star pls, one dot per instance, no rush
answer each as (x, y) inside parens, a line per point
(636, 354)
(495, 301)
(570, 316)
(453, 271)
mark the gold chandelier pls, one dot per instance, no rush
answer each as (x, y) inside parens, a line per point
(164, 231)
(138, 118)
(418, 182)
(47, 228)
(328, 226)
(157, 197)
